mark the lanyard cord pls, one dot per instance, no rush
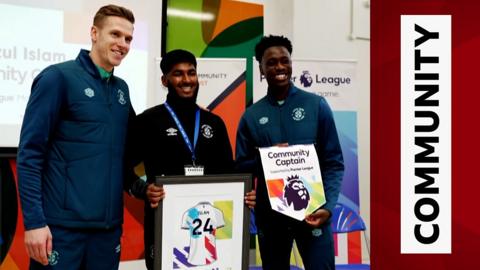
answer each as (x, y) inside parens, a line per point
(182, 130)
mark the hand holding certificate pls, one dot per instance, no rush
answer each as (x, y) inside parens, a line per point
(293, 179)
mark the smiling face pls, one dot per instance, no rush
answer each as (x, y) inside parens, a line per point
(276, 66)
(111, 41)
(182, 78)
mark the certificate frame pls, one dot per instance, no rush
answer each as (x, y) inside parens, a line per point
(179, 223)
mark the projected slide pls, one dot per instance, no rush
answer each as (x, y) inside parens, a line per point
(34, 38)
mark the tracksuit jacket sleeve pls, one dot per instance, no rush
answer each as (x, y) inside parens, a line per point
(39, 123)
(226, 155)
(330, 155)
(133, 184)
(246, 153)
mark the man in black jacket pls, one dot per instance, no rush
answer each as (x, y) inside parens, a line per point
(172, 137)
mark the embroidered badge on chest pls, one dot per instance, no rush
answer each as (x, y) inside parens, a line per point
(298, 114)
(263, 120)
(121, 97)
(172, 132)
(89, 92)
(207, 131)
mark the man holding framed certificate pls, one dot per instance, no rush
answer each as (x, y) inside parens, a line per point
(287, 117)
(177, 138)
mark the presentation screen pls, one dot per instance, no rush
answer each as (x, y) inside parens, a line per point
(35, 35)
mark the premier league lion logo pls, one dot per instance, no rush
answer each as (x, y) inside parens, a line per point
(306, 79)
(295, 193)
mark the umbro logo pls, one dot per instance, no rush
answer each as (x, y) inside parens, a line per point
(172, 132)
(263, 120)
(89, 92)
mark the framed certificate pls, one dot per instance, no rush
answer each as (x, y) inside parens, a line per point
(203, 223)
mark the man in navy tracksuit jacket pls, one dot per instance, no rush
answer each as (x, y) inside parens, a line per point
(71, 153)
(289, 116)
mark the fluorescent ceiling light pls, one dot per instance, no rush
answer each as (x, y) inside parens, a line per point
(202, 16)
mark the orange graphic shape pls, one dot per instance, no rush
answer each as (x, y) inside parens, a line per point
(354, 248)
(132, 237)
(9, 264)
(275, 188)
(231, 109)
(17, 253)
(232, 12)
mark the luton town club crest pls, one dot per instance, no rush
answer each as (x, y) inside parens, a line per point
(121, 97)
(298, 114)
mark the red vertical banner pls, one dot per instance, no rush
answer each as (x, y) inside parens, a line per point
(354, 248)
(16, 258)
(386, 108)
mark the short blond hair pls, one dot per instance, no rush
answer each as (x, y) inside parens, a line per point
(112, 10)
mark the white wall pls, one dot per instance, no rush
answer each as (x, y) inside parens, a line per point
(321, 29)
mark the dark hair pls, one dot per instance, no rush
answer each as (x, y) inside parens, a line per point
(271, 41)
(112, 10)
(174, 57)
